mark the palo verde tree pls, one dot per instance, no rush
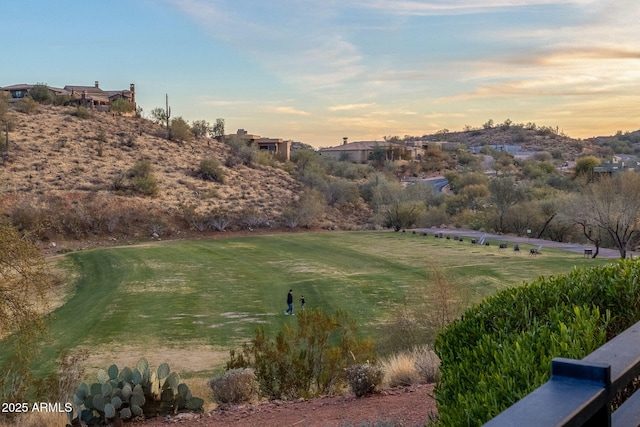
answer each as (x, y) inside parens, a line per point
(24, 281)
(218, 129)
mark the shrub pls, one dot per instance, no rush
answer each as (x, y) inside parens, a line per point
(306, 361)
(400, 370)
(501, 350)
(363, 378)
(180, 130)
(427, 363)
(121, 105)
(82, 113)
(211, 169)
(27, 106)
(235, 386)
(142, 178)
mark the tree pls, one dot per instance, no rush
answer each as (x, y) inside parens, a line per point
(584, 168)
(218, 129)
(180, 130)
(41, 93)
(612, 205)
(159, 115)
(505, 193)
(24, 282)
(200, 128)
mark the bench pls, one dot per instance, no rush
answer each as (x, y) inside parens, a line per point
(535, 251)
(588, 252)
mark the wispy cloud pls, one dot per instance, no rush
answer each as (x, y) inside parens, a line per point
(288, 110)
(350, 107)
(296, 41)
(456, 7)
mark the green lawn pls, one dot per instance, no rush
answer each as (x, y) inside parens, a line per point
(190, 294)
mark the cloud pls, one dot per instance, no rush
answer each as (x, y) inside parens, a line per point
(288, 110)
(350, 107)
(297, 41)
(457, 7)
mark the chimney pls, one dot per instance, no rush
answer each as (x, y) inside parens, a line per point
(97, 86)
(344, 140)
(132, 88)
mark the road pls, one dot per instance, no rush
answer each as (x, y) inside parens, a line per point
(572, 247)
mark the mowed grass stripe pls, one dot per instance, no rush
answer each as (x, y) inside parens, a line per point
(217, 291)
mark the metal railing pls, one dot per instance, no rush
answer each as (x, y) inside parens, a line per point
(580, 391)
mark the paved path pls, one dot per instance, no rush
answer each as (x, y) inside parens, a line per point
(572, 247)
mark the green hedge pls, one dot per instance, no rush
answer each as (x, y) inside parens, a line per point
(501, 350)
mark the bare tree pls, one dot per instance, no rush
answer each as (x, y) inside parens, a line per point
(612, 205)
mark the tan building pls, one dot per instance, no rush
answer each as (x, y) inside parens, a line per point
(279, 147)
(362, 151)
(86, 96)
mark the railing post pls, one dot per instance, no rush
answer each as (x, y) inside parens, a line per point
(570, 370)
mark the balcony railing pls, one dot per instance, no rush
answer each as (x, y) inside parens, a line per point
(579, 392)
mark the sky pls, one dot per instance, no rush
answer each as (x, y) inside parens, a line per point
(316, 71)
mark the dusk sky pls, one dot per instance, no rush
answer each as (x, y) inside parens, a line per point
(318, 70)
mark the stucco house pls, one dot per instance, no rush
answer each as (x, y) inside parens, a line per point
(361, 151)
(86, 96)
(277, 146)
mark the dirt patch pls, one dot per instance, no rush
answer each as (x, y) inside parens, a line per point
(401, 407)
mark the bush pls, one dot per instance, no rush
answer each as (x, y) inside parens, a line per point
(180, 130)
(400, 370)
(501, 350)
(427, 363)
(235, 386)
(363, 378)
(82, 113)
(121, 105)
(307, 361)
(142, 178)
(27, 106)
(211, 169)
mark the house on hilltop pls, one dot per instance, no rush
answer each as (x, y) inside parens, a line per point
(362, 151)
(279, 147)
(87, 96)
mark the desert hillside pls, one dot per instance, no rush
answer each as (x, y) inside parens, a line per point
(54, 154)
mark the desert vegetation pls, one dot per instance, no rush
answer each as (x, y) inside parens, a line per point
(385, 309)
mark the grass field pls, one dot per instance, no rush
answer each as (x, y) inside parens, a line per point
(188, 302)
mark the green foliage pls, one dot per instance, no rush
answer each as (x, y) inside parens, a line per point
(200, 128)
(82, 112)
(304, 211)
(27, 106)
(363, 378)
(501, 349)
(180, 130)
(308, 360)
(127, 393)
(159, 115)
(143, 179)
(121, 106)
(584, 167)
(235, 386)
(41, 93)
(402, 215)
(241, 153)
(211, 169)
(218, 129)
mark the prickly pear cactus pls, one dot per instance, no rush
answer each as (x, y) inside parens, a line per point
(128, 393)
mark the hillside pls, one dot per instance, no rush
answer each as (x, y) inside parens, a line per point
(58, 162)
(530, 137)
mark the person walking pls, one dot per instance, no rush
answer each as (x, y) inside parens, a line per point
(290, 303)
(301, 302)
